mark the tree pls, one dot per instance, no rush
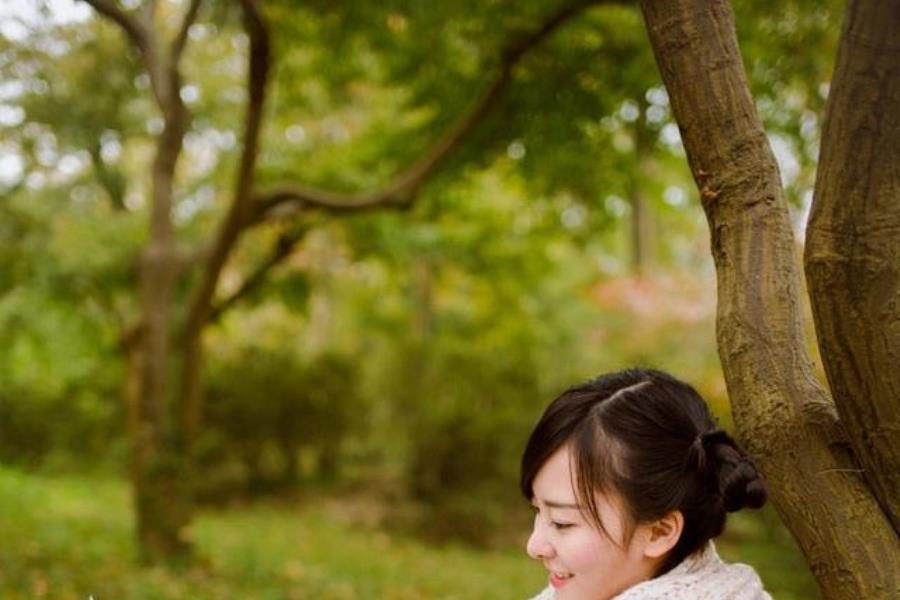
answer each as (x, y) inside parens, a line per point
(164, 344)
(833, 460)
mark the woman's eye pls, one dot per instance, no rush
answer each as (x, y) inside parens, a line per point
(558, 525)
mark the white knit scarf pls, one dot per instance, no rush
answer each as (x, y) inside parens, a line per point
(701, 576)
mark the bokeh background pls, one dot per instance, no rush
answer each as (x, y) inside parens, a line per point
(366, 406)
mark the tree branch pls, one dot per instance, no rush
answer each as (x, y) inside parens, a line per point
(138, 28)
(126, 20)
(111, 181)
(280, 251)
(148, 12)
(235, 220)
(180, 41)
(292, 198)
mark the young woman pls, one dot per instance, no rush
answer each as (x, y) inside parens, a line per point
(630, 481)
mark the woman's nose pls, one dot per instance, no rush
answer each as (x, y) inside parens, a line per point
(538, 547)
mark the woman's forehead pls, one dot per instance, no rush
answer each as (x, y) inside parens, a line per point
(555, 483)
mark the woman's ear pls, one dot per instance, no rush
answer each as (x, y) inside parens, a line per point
(661, 535)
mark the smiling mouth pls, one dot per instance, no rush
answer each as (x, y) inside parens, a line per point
(558, 580)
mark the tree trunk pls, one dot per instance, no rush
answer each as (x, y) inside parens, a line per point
(853, 243)
(641, 234)
(162, 498)
(640, 229)
(161, 482)
(783, 415)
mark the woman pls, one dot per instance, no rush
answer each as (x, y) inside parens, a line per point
(630, 481)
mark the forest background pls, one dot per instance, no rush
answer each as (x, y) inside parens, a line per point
(368, 397)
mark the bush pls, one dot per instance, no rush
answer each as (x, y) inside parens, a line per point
(466, 417)
(72, 426)
(273, 420)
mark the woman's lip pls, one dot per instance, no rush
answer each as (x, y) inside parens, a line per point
(557, 581)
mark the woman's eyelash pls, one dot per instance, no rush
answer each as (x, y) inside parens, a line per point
(555, 524)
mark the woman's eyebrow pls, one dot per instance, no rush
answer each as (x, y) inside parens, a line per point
(554, 504)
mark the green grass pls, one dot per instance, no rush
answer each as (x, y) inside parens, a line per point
(71, 537)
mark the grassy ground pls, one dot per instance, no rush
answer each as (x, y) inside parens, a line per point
(71, 537)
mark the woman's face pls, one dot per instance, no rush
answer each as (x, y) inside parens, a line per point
(583, 563)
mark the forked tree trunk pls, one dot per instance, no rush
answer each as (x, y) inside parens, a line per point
(783, 415)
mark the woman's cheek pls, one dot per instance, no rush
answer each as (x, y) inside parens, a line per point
(587, 551)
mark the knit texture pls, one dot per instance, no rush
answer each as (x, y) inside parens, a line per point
(701, 576)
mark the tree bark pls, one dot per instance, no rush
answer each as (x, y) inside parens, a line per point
(783, 416)
(853, 243)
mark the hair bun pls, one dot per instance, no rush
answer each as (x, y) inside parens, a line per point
(742, 486)
(740, 483)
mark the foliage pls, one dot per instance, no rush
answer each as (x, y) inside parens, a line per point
(60, 376)
(265, 409)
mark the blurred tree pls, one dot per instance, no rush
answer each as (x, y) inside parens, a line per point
(833, 460)
(176, 286)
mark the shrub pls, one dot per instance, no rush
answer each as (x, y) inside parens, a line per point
(273, 420)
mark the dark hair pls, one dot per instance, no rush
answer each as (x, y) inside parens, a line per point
(649, 439)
